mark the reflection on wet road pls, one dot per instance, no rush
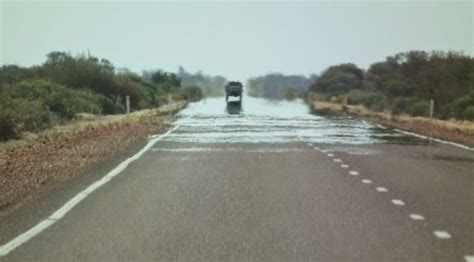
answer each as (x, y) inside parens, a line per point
(263, 121)
(268, 181)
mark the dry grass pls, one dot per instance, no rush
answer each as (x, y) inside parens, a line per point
(30, 165)
(85, 122)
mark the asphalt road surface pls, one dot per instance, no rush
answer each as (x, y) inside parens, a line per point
(265, 182)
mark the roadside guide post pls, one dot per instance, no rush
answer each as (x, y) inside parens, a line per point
(170, 100)
(127, 103)
(431, 108)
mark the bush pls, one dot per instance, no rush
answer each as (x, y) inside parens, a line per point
(57, 98)
(419, 108)
(108, 106)
(32, 115)
(8, 119)
(399, 105)
(457, 108)
(189, 93)
(469, 113)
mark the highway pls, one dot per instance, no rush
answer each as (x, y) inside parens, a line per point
(267, 181)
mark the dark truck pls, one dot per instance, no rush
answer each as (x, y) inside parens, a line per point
(233, 88)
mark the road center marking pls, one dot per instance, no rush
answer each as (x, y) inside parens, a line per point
(398, 202)
(417, 217)
(442, 234)
(353, 173)
(62, 211)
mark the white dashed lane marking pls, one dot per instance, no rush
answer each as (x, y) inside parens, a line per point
(417, 217)
(337, 160)
(353, 173)
(310, 144)
(330, 155)
(398, 202)
(366, 181)
(442, 234)
(382, 189)
(344, 166)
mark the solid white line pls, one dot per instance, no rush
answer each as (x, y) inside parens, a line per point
(469, 258)
(435, 139)
(5, 249)
(344, 166)
(398, 202)
(417, 217)
(58, 214)
(366, 181)
(353, 173)
(337, 160)
(442, 234)
(382, 189)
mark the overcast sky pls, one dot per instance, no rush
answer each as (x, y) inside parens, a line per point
(233, 39)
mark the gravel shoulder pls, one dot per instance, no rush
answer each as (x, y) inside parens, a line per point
(34, 166)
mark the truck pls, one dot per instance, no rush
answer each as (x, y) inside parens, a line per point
(233, 88)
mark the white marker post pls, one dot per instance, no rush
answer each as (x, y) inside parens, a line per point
(431, 108)
(127, 104)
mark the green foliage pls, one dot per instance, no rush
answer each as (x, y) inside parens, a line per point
(447, 78)
(397, 88)
(339, 79)
(290, 94)
(8, 118)
(210, 85)
(55, 97)
(275, 86)
(419, 108)
(35, 98)
(189, 93)
(457, 108)
(469, 113)
(166, 81)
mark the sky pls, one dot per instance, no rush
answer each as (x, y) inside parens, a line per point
(237, 40)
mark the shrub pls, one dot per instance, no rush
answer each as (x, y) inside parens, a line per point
(399, 105)
(33, 115)
(108, 106)
(418, 108)
(469, 113)
(8, 119)
(457, 108)
(57, 98)
(189, 93)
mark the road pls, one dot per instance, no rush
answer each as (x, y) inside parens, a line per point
(269, 182)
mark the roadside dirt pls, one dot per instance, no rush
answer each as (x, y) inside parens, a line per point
(451, 130)
(27, 169)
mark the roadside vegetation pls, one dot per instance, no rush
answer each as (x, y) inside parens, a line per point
(404, 84)
(279, 86)
(39, 97)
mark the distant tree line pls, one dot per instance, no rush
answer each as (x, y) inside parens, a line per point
(279, 86)
(38, 97)
(405, 83)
